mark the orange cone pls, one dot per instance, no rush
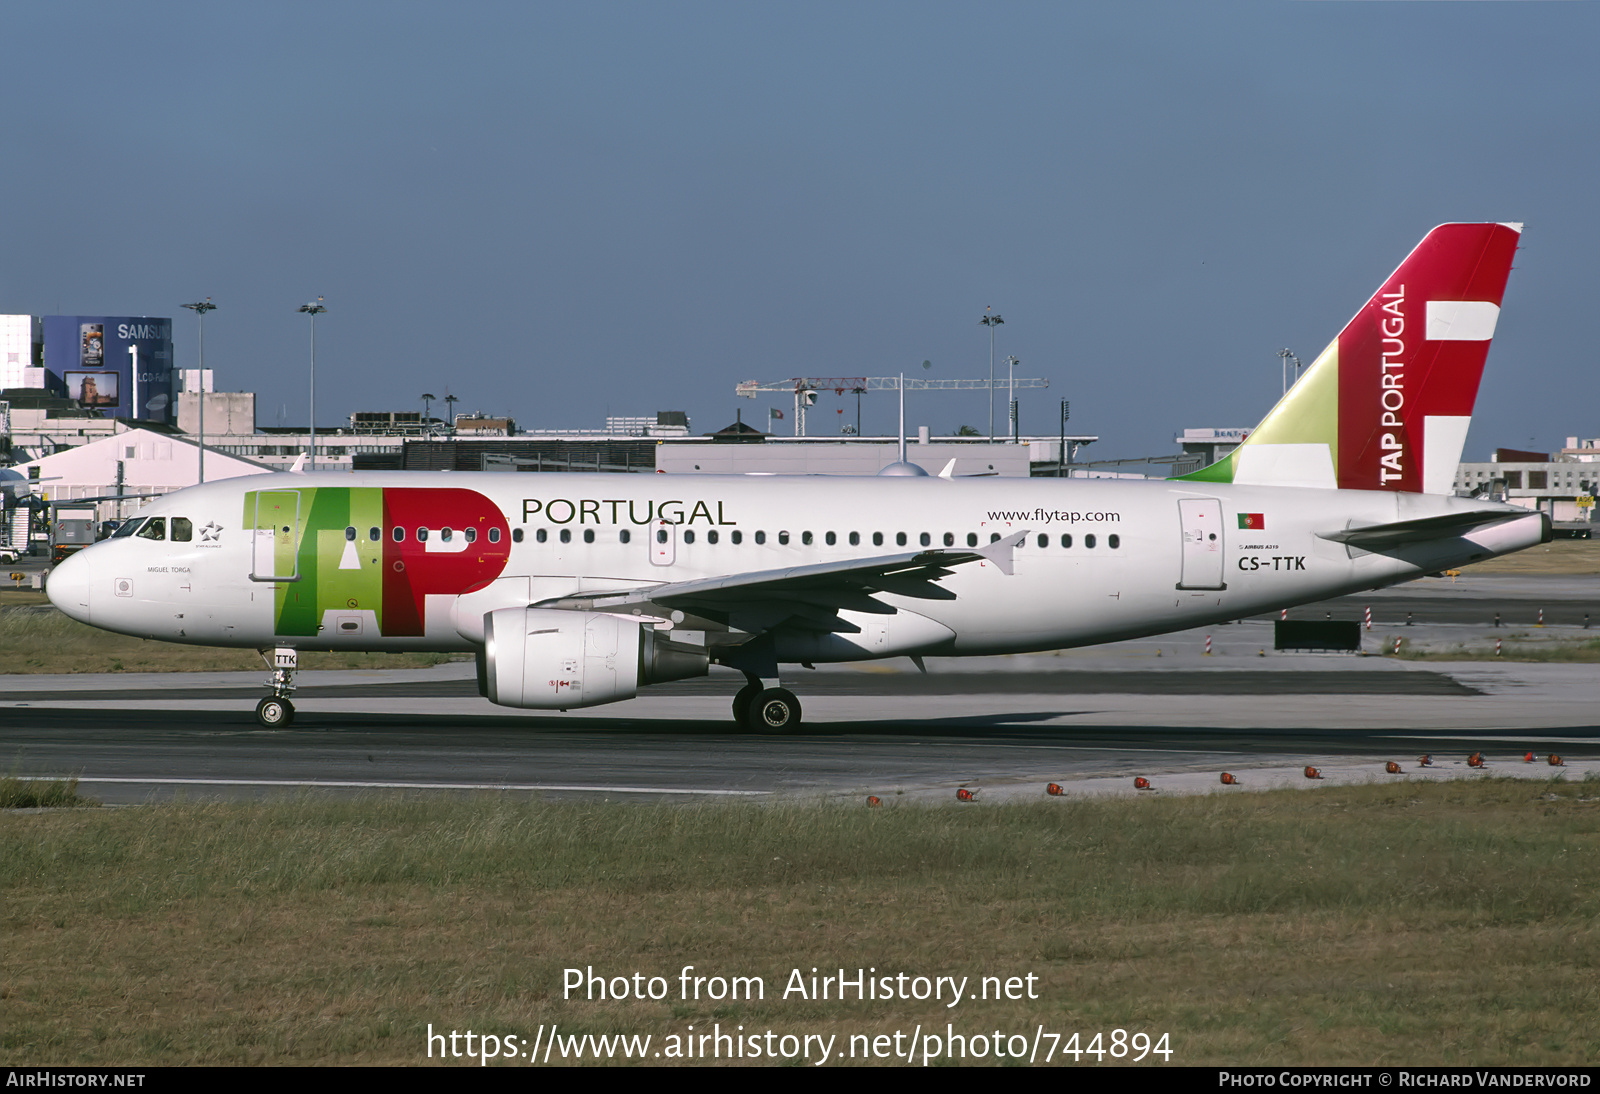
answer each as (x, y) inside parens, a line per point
(1142, 783)
(1475, 760)
(873, 799)
(1556, 761)
(1393, 768)
(1054, 790)
(1229, 780)
(964, 795)
(1313, 773)
(1528, 759)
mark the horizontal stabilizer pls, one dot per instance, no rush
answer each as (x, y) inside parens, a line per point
(1379, 537)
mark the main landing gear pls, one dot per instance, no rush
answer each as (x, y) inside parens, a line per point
(766, 710)
(275, 711)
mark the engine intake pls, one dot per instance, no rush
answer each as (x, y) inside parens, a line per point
(545, 659)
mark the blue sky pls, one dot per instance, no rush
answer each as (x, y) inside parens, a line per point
(565, 211)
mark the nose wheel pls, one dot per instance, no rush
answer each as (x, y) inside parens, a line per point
(275, 711)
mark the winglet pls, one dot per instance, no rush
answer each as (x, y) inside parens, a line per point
(299, 466)
(1000, 551)
(949, 471)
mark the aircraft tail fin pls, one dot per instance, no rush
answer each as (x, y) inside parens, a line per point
(1386, 406)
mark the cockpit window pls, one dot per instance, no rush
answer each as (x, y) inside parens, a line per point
(128, 528)
(182, 529)
(154, 528)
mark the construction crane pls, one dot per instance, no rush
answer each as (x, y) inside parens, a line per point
(806, 388)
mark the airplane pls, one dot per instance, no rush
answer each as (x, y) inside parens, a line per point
(574, 590)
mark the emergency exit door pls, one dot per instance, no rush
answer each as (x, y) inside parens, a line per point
(1201, 521)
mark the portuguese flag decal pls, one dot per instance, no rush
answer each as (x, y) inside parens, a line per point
(1254, 521)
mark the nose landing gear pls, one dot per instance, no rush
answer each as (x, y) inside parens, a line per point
(276, 711)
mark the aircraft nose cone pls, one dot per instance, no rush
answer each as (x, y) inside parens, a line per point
(68, 586)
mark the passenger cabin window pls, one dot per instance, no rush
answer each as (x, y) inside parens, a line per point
(566, 535)
(422, 535)
(830, 539)
(516, 535)
(972, 539)
(494, 535)
(1088, 541)
(1113, 542)
(855, 539)
(925, 539)
(1066, 541)
(711, 536)
(805, 538)
(447, 534)
(182, 529)
(588, 535)
(761, 537)
(373, 534)
(155, 528)
(624, 535)
(877, 539)
(949, 539)
(470, 535)
(688, 536)
(1044, 541)
(783, 538)
(349, 533)
(900, 539)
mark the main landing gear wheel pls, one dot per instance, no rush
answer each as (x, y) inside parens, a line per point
(274, 713)
(741, 703)
(775, 710)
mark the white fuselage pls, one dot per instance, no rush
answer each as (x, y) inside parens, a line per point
(1103, 559)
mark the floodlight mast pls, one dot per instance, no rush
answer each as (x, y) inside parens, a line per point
(313, 310)
(991, 321)
(200, 309)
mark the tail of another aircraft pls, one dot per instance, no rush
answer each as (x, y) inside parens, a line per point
(1387, 404)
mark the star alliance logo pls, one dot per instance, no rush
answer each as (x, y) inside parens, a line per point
(211, 532)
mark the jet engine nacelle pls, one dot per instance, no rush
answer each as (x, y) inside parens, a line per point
(545, 659)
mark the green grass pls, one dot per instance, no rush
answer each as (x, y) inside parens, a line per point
(18, 793)
(1425, 923)
(49, 642)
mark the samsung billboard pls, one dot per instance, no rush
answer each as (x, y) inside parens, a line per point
(91, 354)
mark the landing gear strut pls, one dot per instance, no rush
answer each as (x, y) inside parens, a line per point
(766, 710)
(275, 711)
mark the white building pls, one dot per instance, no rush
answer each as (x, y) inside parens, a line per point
(137, 462)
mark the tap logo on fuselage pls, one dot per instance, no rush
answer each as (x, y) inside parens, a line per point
(378, 550)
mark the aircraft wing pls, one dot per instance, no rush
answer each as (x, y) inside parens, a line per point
(1380, 537)
(808, 596)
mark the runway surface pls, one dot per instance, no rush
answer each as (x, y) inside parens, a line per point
(1087, 719)
(1005, 732)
